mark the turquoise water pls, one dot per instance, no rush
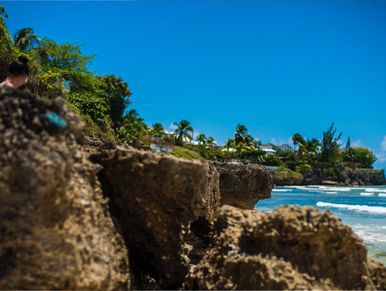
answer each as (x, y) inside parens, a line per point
(362, 208)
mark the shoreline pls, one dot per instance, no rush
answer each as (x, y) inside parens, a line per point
(365, 217)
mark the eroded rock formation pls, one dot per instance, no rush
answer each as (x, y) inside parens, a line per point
(348, 176)
(70, 223)
(55, 229)
(290, 248)
(243, 185)
(153, 196)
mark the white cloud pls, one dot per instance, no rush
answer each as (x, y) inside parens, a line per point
(357, 144)
(172, 127)
(281, 141)
(381, 156)
(196, 133)
(383, 144)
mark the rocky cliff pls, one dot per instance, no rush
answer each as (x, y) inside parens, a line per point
(55, 228)
(348, 176)
(98, 216)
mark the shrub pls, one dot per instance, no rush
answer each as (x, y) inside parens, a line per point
(272, 160)
(362, 157)
(184, 153)
(91, 105)
(303, 168)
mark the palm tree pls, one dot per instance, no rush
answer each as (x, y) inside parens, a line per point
(243, 139)
(184, 131)
(241, 133)
(158, 130)
(202, 140)
(230, 144)
(298, 139)
(25, 39)
(133, 115)
(211, 141)
(5, 38)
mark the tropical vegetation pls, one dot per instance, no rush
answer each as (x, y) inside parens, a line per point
(104, 103)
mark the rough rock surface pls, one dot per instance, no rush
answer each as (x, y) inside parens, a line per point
(55, 230)
(153, 197)
(243, 185)
(211, 193)
(346, 177)
(363, 177)
(377, 273)
(290, 248)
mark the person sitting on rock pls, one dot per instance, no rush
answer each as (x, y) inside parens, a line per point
(18, 72)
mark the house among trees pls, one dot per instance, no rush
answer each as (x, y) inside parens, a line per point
(269, 148)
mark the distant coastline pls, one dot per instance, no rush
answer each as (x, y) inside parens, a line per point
(346, 177)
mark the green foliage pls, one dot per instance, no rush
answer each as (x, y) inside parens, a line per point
(183, 132)
(298, 139)
(6, 42)
(157, 131)
(243, 145)
(330, 152)
(91, 105)
(287, 173)
(202, 139)
(308, 149)
(272, 160)
(91, 128)
(303, 168)
(111, 91)
(133, 131)
(61, 70)
(117, 94)
(360, 157)
(65, 58)
(25, 39)
(185, 153)
(242, 137)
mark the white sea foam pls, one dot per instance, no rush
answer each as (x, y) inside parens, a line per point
(361, 208)
(367, 194)
(281, 190)
(372, 233)
(375, 190)
(321, 189)
(330, 192)
(338, 189)
(382, 195)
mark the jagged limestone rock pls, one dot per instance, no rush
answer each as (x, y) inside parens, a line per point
(243, 185)
(153, 197)
(55, 229)
(290, 248)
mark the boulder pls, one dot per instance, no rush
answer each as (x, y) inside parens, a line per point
(243, 185)
(290, 248)
(154, 197)
(55, 228)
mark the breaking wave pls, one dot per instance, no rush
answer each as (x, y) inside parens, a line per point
(361, 208)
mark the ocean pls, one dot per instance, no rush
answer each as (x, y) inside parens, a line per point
(361, 208)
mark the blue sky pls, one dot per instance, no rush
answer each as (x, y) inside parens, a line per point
(279, 67)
